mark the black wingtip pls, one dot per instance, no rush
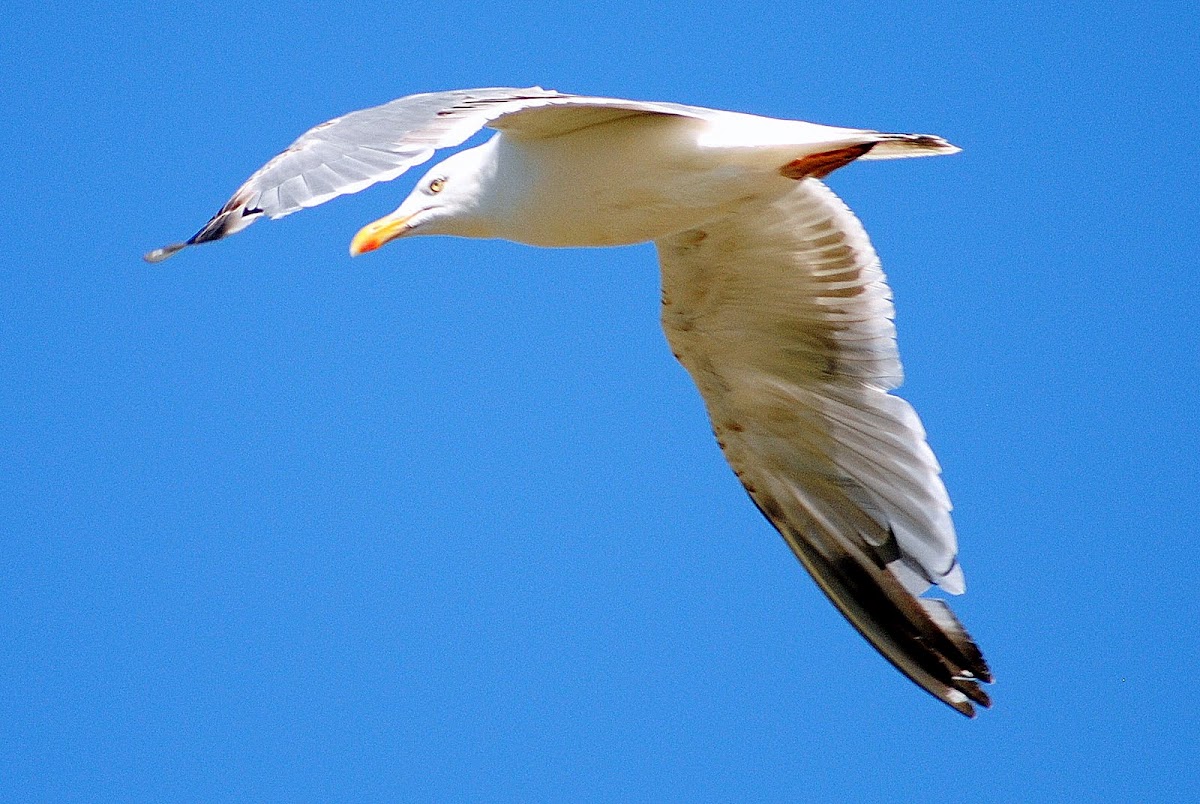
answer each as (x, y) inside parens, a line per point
(919, 636)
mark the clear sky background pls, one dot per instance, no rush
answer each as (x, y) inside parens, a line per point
(448, 521)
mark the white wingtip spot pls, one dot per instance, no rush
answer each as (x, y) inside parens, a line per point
(953, 582)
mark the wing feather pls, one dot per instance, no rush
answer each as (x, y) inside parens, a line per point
(783, 317)
(352, 152)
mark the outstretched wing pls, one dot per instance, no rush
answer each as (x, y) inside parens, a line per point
(352, 152)
(783, 317)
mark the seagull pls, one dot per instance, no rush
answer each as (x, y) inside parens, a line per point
(773, 299)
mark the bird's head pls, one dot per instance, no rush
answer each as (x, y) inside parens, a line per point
(447, 200)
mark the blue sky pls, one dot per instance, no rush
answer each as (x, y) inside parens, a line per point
(448, 522)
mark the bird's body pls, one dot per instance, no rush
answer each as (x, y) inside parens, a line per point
(645, 177)
(773, 299)
(631, 180)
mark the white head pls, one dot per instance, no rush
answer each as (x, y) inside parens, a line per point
(448, 200)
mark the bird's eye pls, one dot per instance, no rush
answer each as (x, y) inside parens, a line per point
(436, 185)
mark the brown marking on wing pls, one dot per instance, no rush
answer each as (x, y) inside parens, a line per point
(821, 165)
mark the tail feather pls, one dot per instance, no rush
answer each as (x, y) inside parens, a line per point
(872, 145)
(903, 146)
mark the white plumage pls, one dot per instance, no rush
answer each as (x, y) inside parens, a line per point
(773, 299)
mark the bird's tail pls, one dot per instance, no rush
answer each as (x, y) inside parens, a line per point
(864, 145)
(903, 146)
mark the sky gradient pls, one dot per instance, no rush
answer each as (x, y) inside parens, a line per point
(448, 522)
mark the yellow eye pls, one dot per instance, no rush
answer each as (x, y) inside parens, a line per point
(436, 185)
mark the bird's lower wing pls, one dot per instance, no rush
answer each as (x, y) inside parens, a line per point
(783, 317)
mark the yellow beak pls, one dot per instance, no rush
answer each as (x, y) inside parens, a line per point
(374, 235)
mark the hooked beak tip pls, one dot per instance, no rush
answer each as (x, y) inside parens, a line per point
(361, 245)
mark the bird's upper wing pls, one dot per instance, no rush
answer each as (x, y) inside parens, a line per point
(783, 317)
(352, 152)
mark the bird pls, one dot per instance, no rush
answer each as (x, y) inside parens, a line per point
(773, 299)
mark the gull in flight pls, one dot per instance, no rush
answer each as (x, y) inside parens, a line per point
(772, 298)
